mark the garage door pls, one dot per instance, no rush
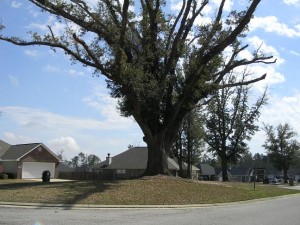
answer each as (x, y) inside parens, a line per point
(35, 169)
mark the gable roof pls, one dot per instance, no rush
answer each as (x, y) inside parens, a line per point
(239, 171)
(235, 171)
(185, 165)
(207, 169)
(3, 147)
(133, 158)
(16, 152)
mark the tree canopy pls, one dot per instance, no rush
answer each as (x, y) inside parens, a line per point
(158, 64)
(282, 147)
(189, 143)
(231, 122)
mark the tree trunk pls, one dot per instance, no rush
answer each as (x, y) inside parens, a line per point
(157, 156)
(285, 177)
(180, 158)
(224, 169)
(189, 147)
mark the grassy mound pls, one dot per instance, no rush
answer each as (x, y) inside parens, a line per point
(157, 190)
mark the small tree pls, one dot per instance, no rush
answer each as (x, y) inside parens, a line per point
(159, 65)
(246, 160)
(83, 161)
(75, 162)
(230, 122)
(92, 160)
(190, 142)
(281, 147)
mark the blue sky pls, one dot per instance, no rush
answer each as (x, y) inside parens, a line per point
(43, 98)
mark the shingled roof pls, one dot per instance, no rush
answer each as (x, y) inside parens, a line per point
(3, 147)
(207, 169)
(133, 158)
(15, 152)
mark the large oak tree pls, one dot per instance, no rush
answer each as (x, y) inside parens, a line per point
(159, 65)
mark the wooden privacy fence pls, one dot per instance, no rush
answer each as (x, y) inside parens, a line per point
(106, 175)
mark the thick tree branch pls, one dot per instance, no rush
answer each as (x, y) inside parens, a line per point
(89, 26)
(19, 42)
(237, 31)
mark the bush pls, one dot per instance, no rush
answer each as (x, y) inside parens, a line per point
(11, 175)
(3, 176)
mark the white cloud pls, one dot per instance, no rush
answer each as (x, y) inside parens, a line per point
(38, 119)
(16, 4)
(257, 42)
(106, 105)
(208, 11)
(14, 139)
(227, 6)
(111, 134)
(273, 77)
(282, 110)
(56, 27)
(271, 24)
(14, 81)
(67, 145)
(292, 2)
(257, 70)
(295, 53)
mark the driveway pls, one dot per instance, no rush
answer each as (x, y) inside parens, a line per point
(295, 187)
(51, 180)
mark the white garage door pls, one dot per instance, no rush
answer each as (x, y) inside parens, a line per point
(35, 169)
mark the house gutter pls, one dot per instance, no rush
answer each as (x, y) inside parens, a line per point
(9, 160)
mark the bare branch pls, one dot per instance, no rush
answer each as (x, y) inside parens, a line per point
(243, 82)
(89, 26)
(242, 62)
(18, 42)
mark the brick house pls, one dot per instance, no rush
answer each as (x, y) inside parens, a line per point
(27, 160)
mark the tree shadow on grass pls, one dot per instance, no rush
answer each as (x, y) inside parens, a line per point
(63, 194)
(21, 184)
(85, 190)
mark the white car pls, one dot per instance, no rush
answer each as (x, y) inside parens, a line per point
(276, 181)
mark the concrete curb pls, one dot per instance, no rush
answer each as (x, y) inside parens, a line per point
(88, 206)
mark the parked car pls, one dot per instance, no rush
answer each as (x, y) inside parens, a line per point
(276, 181)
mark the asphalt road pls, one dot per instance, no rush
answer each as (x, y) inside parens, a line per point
(278, 211)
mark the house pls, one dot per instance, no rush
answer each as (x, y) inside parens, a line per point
(195, 171)
(293, 173)
(236, 174)
(129, 164)
(207, 172)
(27, 160)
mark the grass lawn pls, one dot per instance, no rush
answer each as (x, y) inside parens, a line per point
(158, 190)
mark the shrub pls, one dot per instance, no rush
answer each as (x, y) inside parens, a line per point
(3, 176)
(11, 175)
